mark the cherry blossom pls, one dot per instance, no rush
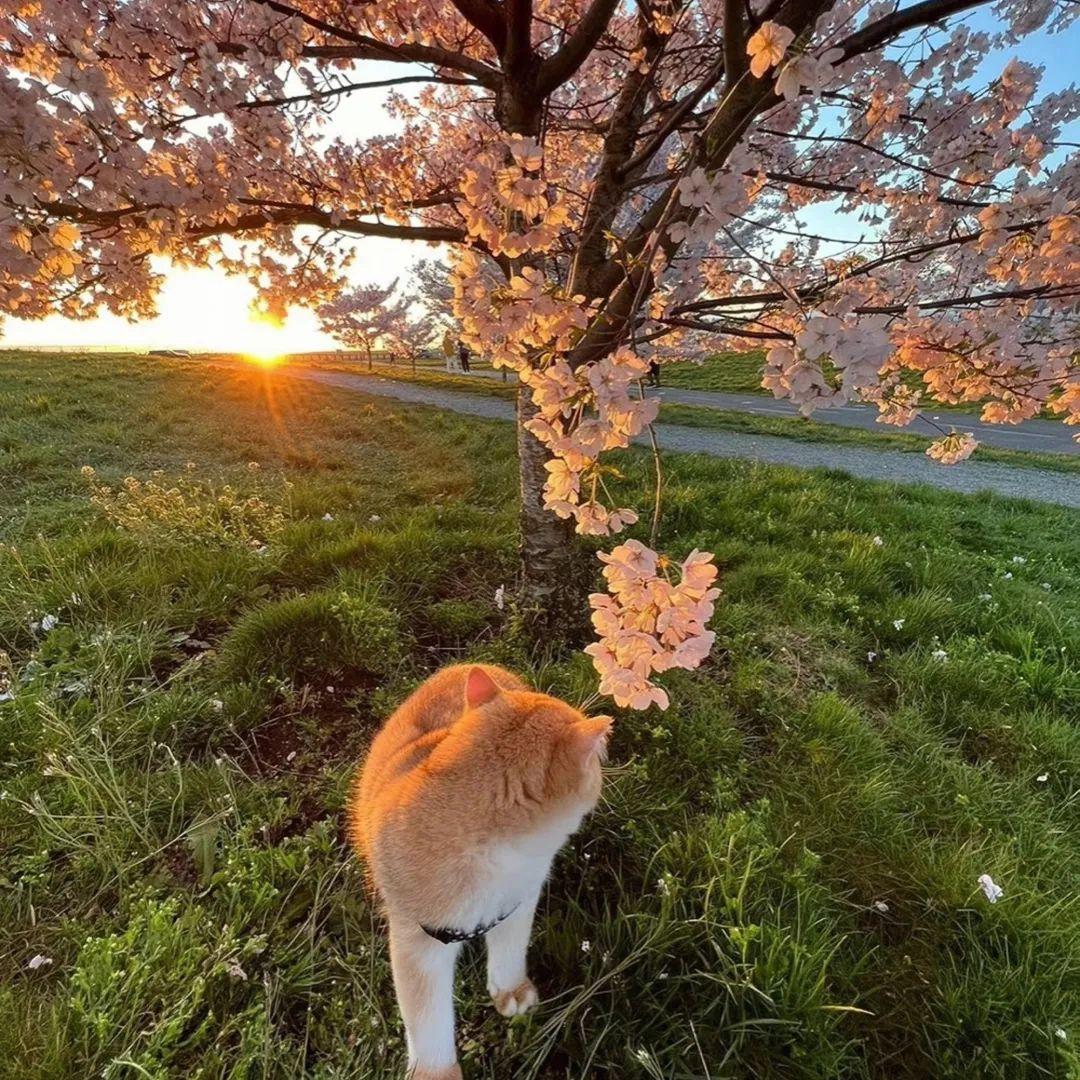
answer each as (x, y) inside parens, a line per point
(952, 448)
(767, 46)
(648, 622)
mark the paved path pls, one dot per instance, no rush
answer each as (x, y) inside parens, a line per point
(968, 477)
(1040, 435)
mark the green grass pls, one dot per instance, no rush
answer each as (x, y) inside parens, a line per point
(780, 882)
(731, 373)
(804, 430)
(821, 431)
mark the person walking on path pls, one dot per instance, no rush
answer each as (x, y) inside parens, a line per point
(463, 356)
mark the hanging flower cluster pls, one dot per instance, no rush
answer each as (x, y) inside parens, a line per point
(507, 205)
(856, 348)
(650, 623)
(952, 448)
(582, 414)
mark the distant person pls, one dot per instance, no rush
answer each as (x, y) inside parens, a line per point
(654, 374)
(448, 350)
(463, 356)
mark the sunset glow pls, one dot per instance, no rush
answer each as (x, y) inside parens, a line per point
(199, 310)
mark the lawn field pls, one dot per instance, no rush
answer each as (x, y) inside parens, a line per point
(789, 427)
(213, 585)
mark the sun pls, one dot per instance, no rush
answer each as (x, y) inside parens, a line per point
(266, 359)
(265, 342)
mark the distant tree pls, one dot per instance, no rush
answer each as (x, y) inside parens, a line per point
(607, 178)
(367, 318)
(414, 336)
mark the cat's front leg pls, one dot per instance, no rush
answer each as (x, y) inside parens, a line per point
(511, 989)
(424, 982)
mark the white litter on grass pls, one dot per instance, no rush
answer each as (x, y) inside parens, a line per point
(878, 542)
(328, 517)
(881, 907)
(991, 889)
(291, 755)
(38, 961)
(871, 656)
(1042, 778)
(217, 704)
(374, 518)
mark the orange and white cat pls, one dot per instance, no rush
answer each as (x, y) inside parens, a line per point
(467, 793)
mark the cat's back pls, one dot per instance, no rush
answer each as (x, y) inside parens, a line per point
(405, 741)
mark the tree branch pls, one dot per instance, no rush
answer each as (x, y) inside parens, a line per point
(884, 30)
(518, 50)
(561, 66)
(486, 17)
(348, 88)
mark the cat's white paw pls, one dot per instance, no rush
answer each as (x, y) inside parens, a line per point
(517, 1001)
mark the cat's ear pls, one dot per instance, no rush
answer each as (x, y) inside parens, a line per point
(590, 736)
(480, 688)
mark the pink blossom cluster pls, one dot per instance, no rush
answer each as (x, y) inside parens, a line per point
(528, 326)
(582, 414)
(507, 205)
(953, 448)
(647, 623)
(856, 348)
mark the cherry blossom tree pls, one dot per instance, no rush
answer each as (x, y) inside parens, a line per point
(367, 318)
(612, 182)
(413, 337)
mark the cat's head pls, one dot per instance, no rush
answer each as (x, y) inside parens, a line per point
(544, 753)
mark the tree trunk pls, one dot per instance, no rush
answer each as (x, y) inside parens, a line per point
(551, 570)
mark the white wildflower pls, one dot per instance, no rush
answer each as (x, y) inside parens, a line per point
(500, 597)
(217, 704)
(871, 656)
(328, 517)
(374, 519)
(1046, 585)
(878, 542)
(1061, 1034)
(1019, 560)
(991, 889)
(940, 655)
(898, 624)
(985, 596)
(586, 946)
(1007, 575)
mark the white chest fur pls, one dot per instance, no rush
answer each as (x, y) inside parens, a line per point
(511, 872)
